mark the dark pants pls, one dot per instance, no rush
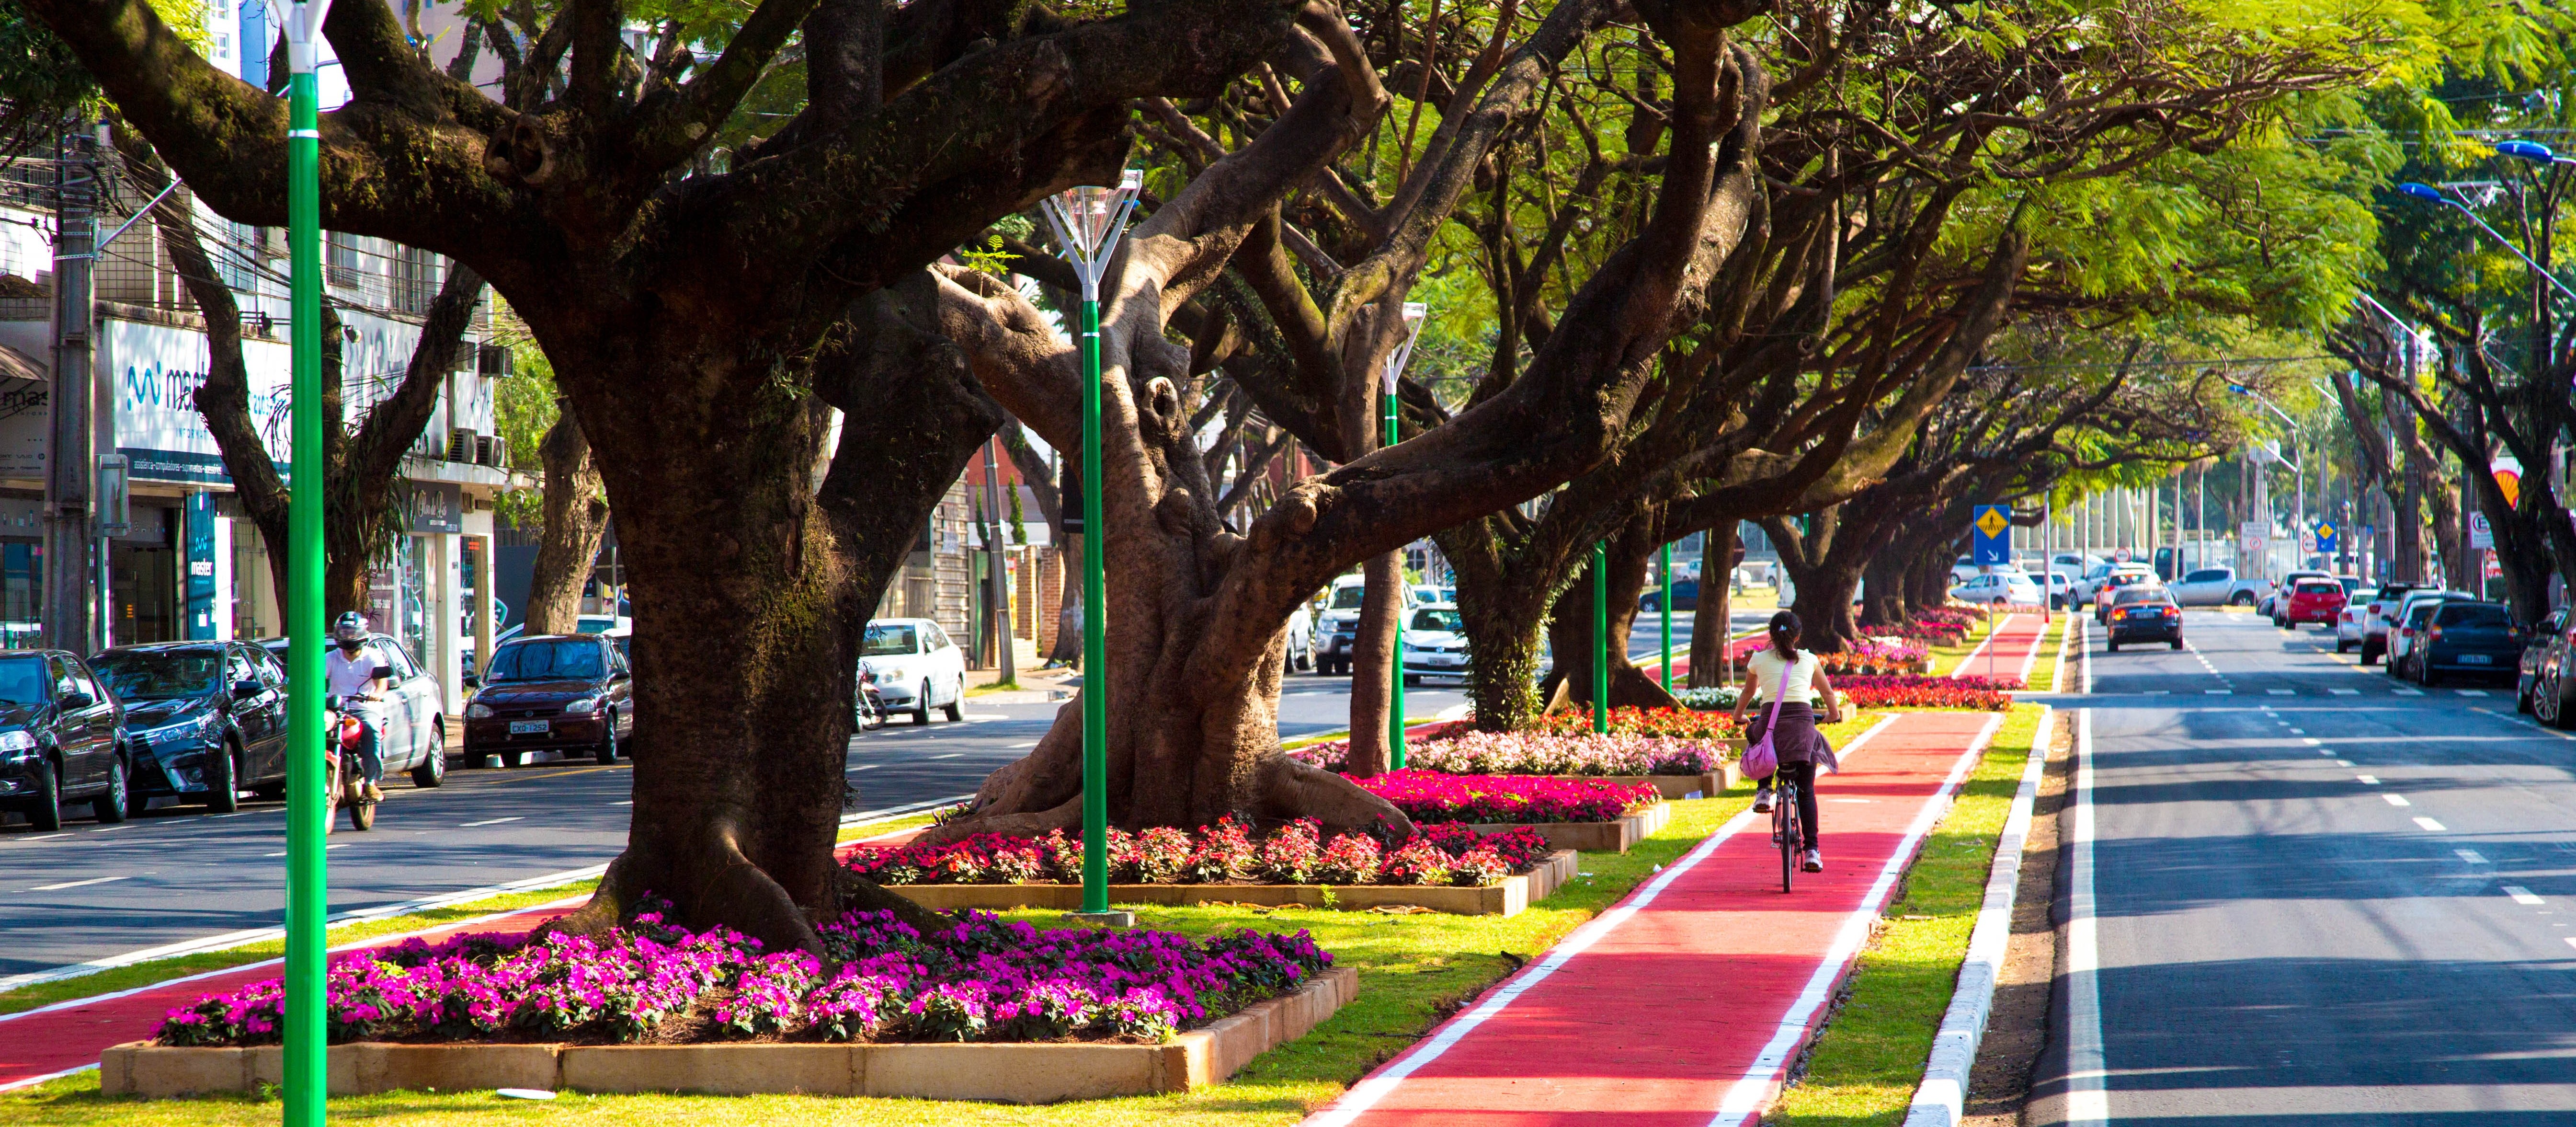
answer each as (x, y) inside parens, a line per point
(1804, 775)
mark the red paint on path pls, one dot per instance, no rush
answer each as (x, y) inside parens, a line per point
(2009, 652)
(1681, 1005)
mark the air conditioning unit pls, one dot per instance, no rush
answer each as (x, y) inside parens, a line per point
(461, 446)
(492, 361)
(490, 450)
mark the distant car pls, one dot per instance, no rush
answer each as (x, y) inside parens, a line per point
(1435, 644)
(1999, 588)
(2311, 600)
(2218, 587)
(2475, 638)
(2413, 623)
(2141, 613)
(2061, 589)
(203, 720)
(2107, 594)
(2098, 592)
(2350, 622)
(2544, 649)
(1338, 633)
(61, 740)
(552, 692)
(2270, 604)
(1685, 596)
(410, 720)
(918, 668)
(1301, 639)
(2376, 619)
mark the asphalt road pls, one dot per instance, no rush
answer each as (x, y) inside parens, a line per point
(180, 875)
(2316, 896)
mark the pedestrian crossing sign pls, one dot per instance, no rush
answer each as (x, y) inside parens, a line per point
(1993, 539)
(2326, 536)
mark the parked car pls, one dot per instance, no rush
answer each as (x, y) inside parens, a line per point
(2533, 670)
(2218, 587)
(1685, 596)
(2350, 621)
(2143, 613)
(918, 668)
(1340, 628)
(2311, 600)
(2061, 589)
(2376, 620)
(1999, 588)
(61, 740)
(203, 720)
(2269, 605)
(552, 692)
(2413, 619)
(1301, 639)
(1434, 644)
(411, 720)
(2467, 637)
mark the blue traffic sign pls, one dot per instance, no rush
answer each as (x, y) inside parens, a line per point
(2326, 534)
(1992, 537)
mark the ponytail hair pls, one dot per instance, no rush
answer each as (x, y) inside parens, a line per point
(1784, 635)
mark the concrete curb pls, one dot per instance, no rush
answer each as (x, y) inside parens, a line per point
(1508, 898)
(1938, 1099)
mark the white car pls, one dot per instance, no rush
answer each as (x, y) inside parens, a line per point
(1339, 629)
(1301, 639)
(917, 667)
(2217, 587)
(2352, 623)
(1434, 642)
(2402, 628)
(2009, 588)
(411, 717)
(2288, 583)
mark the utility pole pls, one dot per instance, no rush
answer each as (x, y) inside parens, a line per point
(68, 621)
(997, 556)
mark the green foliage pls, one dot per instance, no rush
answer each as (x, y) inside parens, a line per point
(42, 85)
(524, 408)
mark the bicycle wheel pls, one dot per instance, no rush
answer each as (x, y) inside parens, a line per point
(1787, 804)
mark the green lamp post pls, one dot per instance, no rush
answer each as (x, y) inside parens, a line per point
(1414, 312)
(1601, 636)
(308, 810)
(1088, 222)
(1666, 609)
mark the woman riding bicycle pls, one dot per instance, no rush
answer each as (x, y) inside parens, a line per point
(1799, 744)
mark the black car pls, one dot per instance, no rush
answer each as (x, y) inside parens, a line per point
(1685, 596)
(2466, 637)
(203, 720)
(60, 739)
(2143, 614)
(559, 692)
(2543, 646)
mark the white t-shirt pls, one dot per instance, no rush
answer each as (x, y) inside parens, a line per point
(349, 676)
(1765, 665)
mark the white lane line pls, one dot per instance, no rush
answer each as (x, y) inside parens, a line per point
(2470, 692)
(326, 849)
(110, 829)
(2571, 941)
(492, 821)
(2088, 1099)
(74, 884)
(2298, 731)
(2429, 826)
(628, 802)
(1034, 743)
(2311, 741)
(950, 755)
(2368, 780)
(43, 837)
(2396, 800)
(2342, 762)
(2521, 895)
(2282, 692)
(2471, 856)
(2407, 692)
(2345, 692)
(869, 767)
(2219, 692)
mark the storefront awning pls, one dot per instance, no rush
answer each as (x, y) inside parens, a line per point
(18, 365)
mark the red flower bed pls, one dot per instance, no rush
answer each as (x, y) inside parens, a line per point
(1669, 723)
(1431, 797)
(1225, 853)
(1925, 692)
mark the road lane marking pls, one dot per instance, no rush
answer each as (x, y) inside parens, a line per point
(628, 802)
(2345, 692)
(2407, 692)
(1034, 743)
(2219, 692)
(2429, 825)
(44, 837)
(326, 849)
(492, 822)
(2311, 741)
(2298, 731)
(2470, 692)
(2521, 895)
(73, 884)
(2341, 762)
(2282, 692)
(2471, 856)
(2396, 800)
(869, 767)
(2368, 780)
(2088, 1098)
(950, 755)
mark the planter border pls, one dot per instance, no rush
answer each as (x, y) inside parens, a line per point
(1010, 1073)
(1516, 892)
(1594, 837)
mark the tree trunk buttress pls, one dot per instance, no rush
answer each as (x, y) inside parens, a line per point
(576, 516)
(1374, 664)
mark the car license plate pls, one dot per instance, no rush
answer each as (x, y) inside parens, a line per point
(528, 727)
(2476, 659)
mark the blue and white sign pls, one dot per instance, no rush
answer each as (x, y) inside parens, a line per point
(1992, 539)
(2327, 536)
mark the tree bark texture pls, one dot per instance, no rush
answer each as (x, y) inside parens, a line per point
(576, 517)
(1374, 664)
(1711, 621)
(1569, 630)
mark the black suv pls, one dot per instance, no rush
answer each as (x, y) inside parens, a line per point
(203, 720)
(60, 739)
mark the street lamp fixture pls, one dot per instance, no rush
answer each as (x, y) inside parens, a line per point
(2431, 194)
(1414, 312)
(2532, 151)
(1089, 222)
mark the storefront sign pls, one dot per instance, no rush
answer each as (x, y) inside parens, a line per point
(157, 370)
(436, 506)
(198, 542)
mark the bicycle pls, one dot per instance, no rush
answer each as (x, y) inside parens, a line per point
(1786, 828)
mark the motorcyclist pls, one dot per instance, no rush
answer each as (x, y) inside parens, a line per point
(352, 670)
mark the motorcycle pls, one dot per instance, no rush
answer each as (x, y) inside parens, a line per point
(869, 711)
(348, 785)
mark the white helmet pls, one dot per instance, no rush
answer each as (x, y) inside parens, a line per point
(349, 627)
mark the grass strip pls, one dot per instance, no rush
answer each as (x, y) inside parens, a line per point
(1862, 1069)
(2043, 673)
(1414, 970)
(1946, 659)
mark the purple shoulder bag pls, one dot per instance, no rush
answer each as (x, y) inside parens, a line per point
(1762, 760)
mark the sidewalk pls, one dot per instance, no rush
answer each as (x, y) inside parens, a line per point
(1684, 1004)
(2009, 652)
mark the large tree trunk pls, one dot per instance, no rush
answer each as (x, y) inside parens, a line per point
(1374, 664)
(1502, 624)
(1710, 666)
(576, 516)
(1571, 638)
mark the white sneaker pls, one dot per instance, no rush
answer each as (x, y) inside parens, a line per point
(1762, 802)
(1815, 862)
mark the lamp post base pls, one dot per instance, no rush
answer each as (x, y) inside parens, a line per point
(1103, 919)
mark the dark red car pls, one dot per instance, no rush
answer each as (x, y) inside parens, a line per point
(2312, 600)
(569, 693)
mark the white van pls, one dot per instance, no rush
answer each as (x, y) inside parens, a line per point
(1339, 629)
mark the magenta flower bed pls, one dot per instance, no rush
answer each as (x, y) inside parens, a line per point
(1432, 797)
(1225, 853)
(979, 980)
(1544, 753)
